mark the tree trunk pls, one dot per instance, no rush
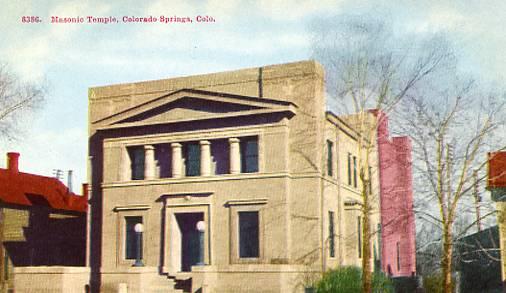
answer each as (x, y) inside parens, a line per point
(366, 245)
(446, 264)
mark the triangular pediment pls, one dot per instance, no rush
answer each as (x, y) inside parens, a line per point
(187, 108)
(193, 105)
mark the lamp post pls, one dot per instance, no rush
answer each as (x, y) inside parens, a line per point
(201, 227)
(138, 228)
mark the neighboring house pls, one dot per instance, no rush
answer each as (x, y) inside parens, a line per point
(496, 183)
(42, 222)
(250, 153)
(398, 247)
(479, 252)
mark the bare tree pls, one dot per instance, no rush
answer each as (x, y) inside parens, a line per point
(368, 68)
(17, 98)
(452, 125)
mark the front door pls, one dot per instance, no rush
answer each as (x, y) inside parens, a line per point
(190, 244)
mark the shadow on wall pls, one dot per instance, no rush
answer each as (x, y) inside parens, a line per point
(50, 240)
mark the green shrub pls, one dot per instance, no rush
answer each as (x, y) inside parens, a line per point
(434, 283)
(345, 279)
(381, 283)
(349, 280)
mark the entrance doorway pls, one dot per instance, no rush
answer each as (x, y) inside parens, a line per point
(190, 242)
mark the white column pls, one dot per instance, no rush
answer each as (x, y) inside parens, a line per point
(177, 158)
(126, 165)
(149, 162)
(205, 158)
(235, 156)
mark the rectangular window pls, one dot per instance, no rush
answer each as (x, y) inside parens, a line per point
(220, 154)
(249, 155)
(329, 157)
(359, 238)
(192, 159)
(131, 237)
(398, 256)
(370, 180)
(6, 265)
(163, 160)
(349, 169)
(137, 162)
(332, 251)
(248, 234)
(354, 171)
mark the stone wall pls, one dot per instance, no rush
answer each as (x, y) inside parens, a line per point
(51, 279)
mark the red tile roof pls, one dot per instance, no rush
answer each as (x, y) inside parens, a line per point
(496, 170)
(29, 189)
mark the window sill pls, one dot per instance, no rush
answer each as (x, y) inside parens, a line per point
(248, 260)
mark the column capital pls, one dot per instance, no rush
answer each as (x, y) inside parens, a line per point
(205, 142)
(233, 140)
(175, 145)
(149, 147)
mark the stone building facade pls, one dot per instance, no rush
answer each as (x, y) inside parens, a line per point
(251, 153)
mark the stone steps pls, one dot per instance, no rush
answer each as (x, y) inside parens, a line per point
(182, 282)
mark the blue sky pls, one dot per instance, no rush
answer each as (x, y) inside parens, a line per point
(74, 57)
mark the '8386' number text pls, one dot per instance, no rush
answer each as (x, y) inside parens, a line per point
(30, 19)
